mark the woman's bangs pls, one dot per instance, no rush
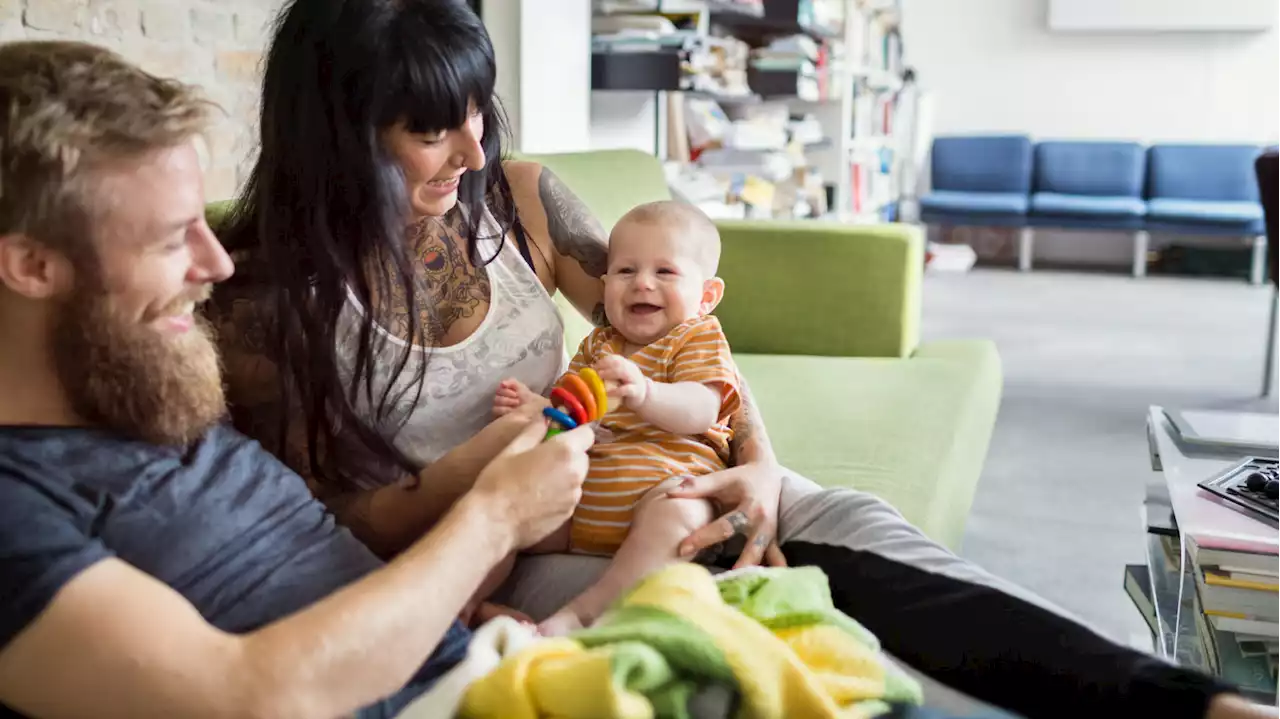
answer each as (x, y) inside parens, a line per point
(438, 84)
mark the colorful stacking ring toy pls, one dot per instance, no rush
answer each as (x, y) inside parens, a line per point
(579, 399)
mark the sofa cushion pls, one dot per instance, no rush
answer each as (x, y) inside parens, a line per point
(1052, 203)
(913, 432)
(1204, 211)
(948, 201)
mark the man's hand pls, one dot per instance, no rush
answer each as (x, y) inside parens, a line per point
(624, 380)
(534, 485)
(514, 396)
(753, 491)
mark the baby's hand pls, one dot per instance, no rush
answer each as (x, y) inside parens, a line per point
(623, 379)
(514, 396)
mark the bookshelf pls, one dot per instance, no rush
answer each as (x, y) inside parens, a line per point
(833, 64)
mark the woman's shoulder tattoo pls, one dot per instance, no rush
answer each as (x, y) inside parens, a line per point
(575, 232)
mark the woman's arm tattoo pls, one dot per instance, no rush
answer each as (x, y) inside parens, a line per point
(743, 422)
(575, 232)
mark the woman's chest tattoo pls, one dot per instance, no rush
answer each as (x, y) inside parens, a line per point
(449, 289)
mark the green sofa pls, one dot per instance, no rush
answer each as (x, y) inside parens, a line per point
(824, 322)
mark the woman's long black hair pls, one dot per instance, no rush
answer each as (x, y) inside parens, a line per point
(326, 201)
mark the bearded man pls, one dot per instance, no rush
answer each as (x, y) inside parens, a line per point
(153, 562)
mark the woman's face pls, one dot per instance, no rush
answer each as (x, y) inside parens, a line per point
(433, 163)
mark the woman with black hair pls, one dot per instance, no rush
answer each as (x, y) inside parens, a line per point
(393, 267)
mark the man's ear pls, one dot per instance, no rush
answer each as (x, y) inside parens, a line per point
(712, 293)
(32, 269)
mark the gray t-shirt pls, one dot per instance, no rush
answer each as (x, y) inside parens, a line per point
(222, 522)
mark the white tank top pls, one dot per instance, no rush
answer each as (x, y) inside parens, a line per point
(521, 337)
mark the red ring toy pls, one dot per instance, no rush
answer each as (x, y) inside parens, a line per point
(571, 403)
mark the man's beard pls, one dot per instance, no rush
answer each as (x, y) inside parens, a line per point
(136, 380)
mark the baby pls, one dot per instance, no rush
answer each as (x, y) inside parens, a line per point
(672, 387)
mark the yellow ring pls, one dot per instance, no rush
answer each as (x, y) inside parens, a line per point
(597, 388)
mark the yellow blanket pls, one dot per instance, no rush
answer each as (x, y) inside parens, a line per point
(770, 635)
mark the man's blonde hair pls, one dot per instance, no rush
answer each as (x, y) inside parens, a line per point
(67, 107)
(695, 229)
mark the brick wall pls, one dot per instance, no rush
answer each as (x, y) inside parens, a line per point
(216, 44)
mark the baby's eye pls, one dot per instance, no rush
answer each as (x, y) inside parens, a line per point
(666, 271)
(626, 271)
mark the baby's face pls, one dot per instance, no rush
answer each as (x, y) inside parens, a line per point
(652, 284)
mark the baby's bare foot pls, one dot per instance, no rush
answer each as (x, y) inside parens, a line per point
(560, 624)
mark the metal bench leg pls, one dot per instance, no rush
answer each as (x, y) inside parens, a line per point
(1258, 268)
(1141, 241)
(1026, 242)
(1269, 366)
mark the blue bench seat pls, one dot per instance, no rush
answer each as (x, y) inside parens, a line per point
(984, 203)
(1236, 216)
(979, 180)
(1089, 206)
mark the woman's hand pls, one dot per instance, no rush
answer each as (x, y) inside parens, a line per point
(753, 491)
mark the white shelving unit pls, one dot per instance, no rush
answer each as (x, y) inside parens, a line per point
(868, 188)
(861, 81)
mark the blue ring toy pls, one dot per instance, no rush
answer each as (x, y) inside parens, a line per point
(559, 418)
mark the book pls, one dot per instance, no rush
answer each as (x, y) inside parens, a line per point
(1263, 563)
(1243, 624)
(1137, 584)
(1252, 433)
(1221, 579)
(1235, 600)
(1256, 575)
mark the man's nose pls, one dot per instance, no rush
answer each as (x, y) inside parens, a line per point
(210, 262)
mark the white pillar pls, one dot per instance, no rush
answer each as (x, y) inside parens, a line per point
(543, 50)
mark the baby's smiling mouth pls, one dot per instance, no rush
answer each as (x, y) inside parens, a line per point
(644, 308)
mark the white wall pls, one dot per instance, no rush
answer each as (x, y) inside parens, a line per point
(543, 50)
(994, 66)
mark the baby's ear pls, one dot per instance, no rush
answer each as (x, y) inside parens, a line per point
(712, 293)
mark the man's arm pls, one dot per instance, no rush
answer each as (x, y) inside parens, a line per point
(113, 642)
(116, 643)
(390, 518)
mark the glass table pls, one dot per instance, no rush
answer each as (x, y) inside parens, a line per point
(1178, 622)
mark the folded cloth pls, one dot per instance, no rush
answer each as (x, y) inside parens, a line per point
(499, 637)
(772, 636)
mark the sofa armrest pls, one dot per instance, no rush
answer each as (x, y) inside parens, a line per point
(818, 288)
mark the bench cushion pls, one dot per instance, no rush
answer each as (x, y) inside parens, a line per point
(1204, 211)
(1053, 203)
(950, 201)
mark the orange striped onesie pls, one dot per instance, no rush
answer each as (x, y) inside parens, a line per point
(634, 455)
